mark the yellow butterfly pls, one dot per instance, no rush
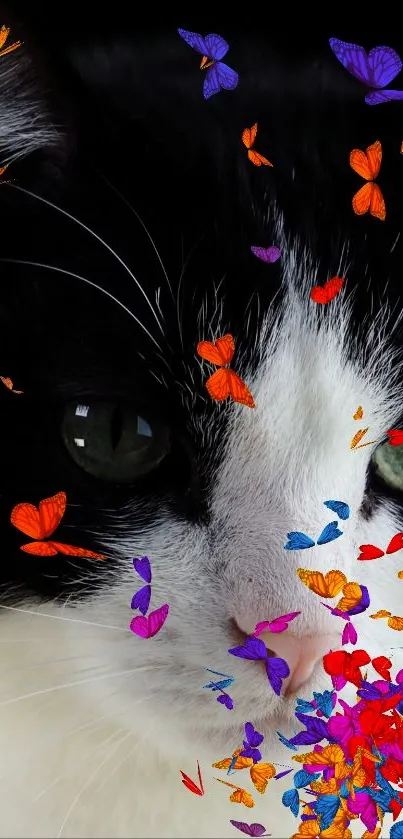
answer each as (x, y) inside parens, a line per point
(328, 585)
(240, 796)
(352, 594)
(394, 621)
(260, 773)
(358, 437)
(4, 33)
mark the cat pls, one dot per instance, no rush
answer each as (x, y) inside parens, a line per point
(127, 224)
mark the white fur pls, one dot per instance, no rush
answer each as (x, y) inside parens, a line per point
(101, 757)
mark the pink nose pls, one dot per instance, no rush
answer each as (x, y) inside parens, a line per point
(301, 654)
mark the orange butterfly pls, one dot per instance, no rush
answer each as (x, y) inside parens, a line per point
(393, 620)
(189, 784)
(358, 437)
(359, 413)
(328, 585)
(248, 139)
(260, 773)
(224, 382)
(40, 524)
(369, 197)
(4, 33)
(240, 796)
(8, 383)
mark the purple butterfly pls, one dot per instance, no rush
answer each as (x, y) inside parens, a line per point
(250, 829)
(141, 600)
(374, 69)
(212, 48)
(276, 668)
(226, 700)
(271, 254)
(253, 739)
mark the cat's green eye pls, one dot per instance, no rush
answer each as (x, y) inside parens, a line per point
(112, 441)
(387, 462)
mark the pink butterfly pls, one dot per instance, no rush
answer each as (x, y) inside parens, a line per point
(277, 625)
(147, 627)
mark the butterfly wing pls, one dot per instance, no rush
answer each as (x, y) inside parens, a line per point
(377, 206)
(290, 799)
(218, 386)
(227, 77)
(395, 437)
(249, 136)
(328, 586)
(369, 552)
(241, 796)
(361, 202)
(361, 433)
(298, 541)
(238, 389)
(141, 600)
(254, 829)
(211, 84)
(277, 669)
(254, 738)
(332, 287)
(4, 33)
(51, 512)
(258, 159)
(279, 624)
(196, 41)
(40, 549)
(379, 97)
(353, 58)
(189, 784)
(382, 613)
(253, 650)
(359, 413)
(26, 518)
(395, 622)
(341, 509)
(329, 533)
(217, 47)
(270, 255)
(157, 619)
(219, 353)
(395, 544)
(139, 625)
(260, 774)
(71, 550)
(352, 595)
(385, 64)
(368, 163)
(143, 568)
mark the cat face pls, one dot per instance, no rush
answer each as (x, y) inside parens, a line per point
(128, 241)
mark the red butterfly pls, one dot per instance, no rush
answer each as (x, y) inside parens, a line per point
(346, 665)
(224, 382)
(191, 784)
(395, 437)
(40, 524)
(372, 552)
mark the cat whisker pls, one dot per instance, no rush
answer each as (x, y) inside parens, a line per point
(62, 618)
(54, 688)
(99, 239)
(88, 282)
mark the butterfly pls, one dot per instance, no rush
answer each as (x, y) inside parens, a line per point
(298, 541)
(344, 666)
(374, 69)
(141, 600)
(248, 139)
(40, 523)
(395, 437)
(359, 413)
(324, 294)
(276, 668)
(250, 829)
(372, 552)
(4, 33)
(240, 796)
(253, 740)
(328, 585)
(226, 682)
(147, 627)
(341, 509)
(224, 382)
(271, 254)
(189, 784)
(285, 742)
(260, 773)
(358, 437)
(291, 796)
(212, 48)
(277, 625)
(393, 620)
(6, 380)
(382, 666)
(369, 197)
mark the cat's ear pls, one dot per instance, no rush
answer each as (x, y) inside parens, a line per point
(33, 113)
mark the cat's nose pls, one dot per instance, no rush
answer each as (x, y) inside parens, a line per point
(301, 654)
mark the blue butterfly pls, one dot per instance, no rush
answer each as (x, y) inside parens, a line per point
(213, 48)
(226, 682)
(326, 807)
(298, 541)
(286, 742)
(324, 701)
(304, 707)
(341, 509)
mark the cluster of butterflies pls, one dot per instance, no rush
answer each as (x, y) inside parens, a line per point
(298, 541)
(146, 626)
(226, 681)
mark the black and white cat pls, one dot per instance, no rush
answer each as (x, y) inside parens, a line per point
(126, 230)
